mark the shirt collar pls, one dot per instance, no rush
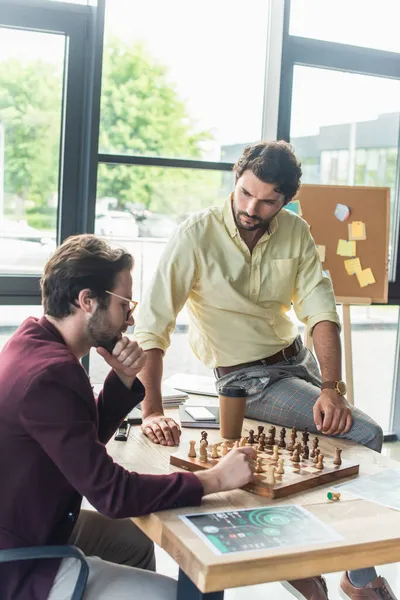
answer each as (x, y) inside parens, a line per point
(230, 222)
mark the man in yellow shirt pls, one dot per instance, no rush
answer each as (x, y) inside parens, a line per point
(239, 268)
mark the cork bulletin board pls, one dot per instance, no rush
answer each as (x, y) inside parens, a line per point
(362, 234)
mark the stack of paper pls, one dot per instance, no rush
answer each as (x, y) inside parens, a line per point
(193, 384)
(171, 396)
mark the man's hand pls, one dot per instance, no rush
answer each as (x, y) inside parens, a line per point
(161, 430)
(126, 359)
(233, 471)
(332, 413)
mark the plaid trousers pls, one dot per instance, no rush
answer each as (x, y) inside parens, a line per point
(284, 394)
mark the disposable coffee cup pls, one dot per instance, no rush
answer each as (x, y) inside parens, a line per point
(232, 404)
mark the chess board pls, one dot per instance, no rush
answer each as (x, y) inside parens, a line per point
(297, 478)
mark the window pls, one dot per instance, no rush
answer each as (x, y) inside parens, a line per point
(365, 23)
(182, 85)
(11, 317)
(347, 127)
(31, 86)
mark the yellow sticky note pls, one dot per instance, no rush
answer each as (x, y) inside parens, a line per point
(357, 231)
(352, 266)
(365, 277)
(346, 248)
(321, 251)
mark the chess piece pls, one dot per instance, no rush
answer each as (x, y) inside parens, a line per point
(306, 452)
(271, 475)
(338, 459)
(259, 467)
(275, 456)
(204, 436)
(292, 442)
(280, 470)
(314, 447)
(305, 436)
(243, 442)
(203, 451)
(295, 456)
(261, 443)
(260, 430)
(224, 449)
(317, 452)
(320, 463)
(214, 452)
(251, 439)
(192, 449)
(282, 443)
(236, 444)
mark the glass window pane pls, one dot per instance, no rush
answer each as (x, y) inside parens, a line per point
(188, 89)
(345, 128)
(31, 84)
(11, 317)
(365, 23)
(374, 327)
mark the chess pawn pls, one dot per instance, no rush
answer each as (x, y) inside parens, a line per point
(275, 456)
(203, 451)
(320, 463)
(251, 439)
(316, 454)
(337, 460)
(295, 456)
(243, 442)
(192, 449)
(236, 444)
(306, 452)
(314, 447)
(280, 470)
(282, 443)
(261, 443)
(260, 430)
(214, 452)
(259, 467)
(224, 449)
(271, 475)
(260, 447)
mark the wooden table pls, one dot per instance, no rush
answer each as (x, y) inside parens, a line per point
(371, 533)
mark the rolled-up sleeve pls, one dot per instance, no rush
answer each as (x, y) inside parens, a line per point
(168, 292)
(313, 298)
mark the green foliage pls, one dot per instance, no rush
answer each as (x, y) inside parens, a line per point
(141, 114)
(30, 110)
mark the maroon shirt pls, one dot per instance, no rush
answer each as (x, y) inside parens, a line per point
(52, 453)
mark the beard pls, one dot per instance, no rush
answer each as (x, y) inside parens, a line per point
(253, 223)
(101, 332)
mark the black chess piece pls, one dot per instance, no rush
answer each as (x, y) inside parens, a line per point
(306, 436)
(251, 439)
(204, 436)
(306, 452)
(282, 443)
(260, 430)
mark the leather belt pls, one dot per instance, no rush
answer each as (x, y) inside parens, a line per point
(280, 356)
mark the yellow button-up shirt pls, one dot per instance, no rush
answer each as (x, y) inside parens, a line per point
(237, 301)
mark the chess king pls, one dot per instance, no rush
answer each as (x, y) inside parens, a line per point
(239, 268)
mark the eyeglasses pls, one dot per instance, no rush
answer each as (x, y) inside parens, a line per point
(132, 304)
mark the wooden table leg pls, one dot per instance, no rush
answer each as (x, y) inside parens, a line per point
(187, 590)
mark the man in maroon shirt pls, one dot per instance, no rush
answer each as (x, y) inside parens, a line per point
(53, 436)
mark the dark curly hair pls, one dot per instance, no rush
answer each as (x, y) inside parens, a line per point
(82, 261)
(272, 162)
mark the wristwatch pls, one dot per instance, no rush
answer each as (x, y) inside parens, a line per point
(339, 386)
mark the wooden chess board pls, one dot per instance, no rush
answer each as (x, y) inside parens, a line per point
(296, 478)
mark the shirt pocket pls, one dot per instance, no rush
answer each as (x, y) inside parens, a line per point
(278, 281)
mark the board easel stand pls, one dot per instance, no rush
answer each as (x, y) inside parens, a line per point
(348, 351)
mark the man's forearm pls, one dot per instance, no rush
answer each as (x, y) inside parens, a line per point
(151, 376)
(328, 349)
